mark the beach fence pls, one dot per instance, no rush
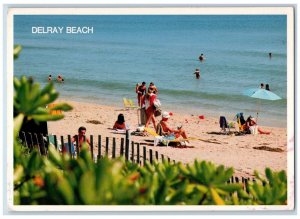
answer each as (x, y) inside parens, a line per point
(100, 147)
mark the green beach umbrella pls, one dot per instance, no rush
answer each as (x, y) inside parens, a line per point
(260, 93)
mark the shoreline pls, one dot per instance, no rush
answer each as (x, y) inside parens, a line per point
(183, 110)
(235, 151)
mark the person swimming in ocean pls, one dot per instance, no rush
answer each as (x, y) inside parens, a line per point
(197, 73)
(50, 78)
(201, 57)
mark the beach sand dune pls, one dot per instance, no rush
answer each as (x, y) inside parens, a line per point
(245, 153)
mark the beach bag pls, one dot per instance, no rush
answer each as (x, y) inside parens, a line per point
(157, 112)
(157, 103)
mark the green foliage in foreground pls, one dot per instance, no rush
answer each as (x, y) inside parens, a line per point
(17, 51)
(60, 180)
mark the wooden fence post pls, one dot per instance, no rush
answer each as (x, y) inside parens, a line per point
(44, 152)
(151, 158)
(92, 146)
(99, 147)
(132, 152)
(38, 145)
(122, 147)
(62, 144)
(127, 145)
(106, 146)
(156, 155)
(114, 148)
(138, 153)
(162, 157)
(70, 146)
(55, 142)
(144, 154)
(31, 139)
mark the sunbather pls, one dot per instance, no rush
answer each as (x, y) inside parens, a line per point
(253, 127)
(167, 131)
(120, 123)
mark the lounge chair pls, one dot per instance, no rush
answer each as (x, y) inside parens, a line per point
(129, 104)
(241, 122)
(162, 139)
(224, 124)
(165, 141)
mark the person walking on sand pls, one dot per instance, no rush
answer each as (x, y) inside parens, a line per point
(197, 73)
(140, 90)
(169, 131)
(149, 99)
(81, 138)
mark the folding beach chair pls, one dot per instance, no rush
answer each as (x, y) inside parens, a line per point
(162, 139)
(241, 122)
(224, 124)
(129, 104)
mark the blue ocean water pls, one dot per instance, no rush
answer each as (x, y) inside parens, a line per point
(105, 66)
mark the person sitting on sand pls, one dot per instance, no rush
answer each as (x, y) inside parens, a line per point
(152, 88)
(164, 129)
(253, 127)
(197, 73)
(81, 138)
(120, 123)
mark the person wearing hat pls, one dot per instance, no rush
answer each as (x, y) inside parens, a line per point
(253, 127)
(166, 130)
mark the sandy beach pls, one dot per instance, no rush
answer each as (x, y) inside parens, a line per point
(234, 151)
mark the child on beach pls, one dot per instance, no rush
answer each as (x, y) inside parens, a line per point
(164, 129)
(120, 123)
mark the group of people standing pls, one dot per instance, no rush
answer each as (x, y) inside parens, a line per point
(148, 102)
